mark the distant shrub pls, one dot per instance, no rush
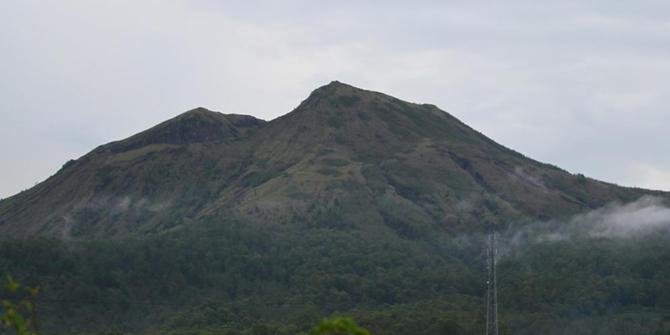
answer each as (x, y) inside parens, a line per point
(364, 116)
(337, 162)
(329, 171)
(338, 326)
(348, 100)
(581, 179)
(13, 312)
(334, 121)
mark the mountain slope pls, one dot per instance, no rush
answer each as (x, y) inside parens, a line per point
(128, 185)
(345, 157)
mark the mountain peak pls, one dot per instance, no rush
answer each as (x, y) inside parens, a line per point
(198, 111)
(336, 96)
(198, 125)
(354, 111)
(337, 88)
(335, 84)
(237, 120)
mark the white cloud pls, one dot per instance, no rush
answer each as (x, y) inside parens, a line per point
(641, 218)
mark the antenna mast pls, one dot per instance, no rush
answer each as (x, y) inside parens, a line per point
(491, 286)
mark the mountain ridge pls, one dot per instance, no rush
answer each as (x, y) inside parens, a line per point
(344, 158)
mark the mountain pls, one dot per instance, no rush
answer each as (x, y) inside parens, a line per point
(345, 157)
(355, 203)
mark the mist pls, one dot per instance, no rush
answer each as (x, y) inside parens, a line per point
(649, 215)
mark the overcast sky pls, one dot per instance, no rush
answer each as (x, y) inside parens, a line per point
(580, 84)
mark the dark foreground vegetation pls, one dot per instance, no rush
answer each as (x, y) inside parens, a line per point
(235, 278)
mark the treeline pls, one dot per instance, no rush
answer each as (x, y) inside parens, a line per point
(237, 278)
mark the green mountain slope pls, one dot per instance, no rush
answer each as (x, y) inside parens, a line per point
(344, 157)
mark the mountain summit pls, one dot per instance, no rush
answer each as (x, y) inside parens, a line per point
(344, 158)
(195, 126)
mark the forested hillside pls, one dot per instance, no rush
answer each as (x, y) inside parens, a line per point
(238, 278)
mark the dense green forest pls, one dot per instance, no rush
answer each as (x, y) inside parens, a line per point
(237, 278)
